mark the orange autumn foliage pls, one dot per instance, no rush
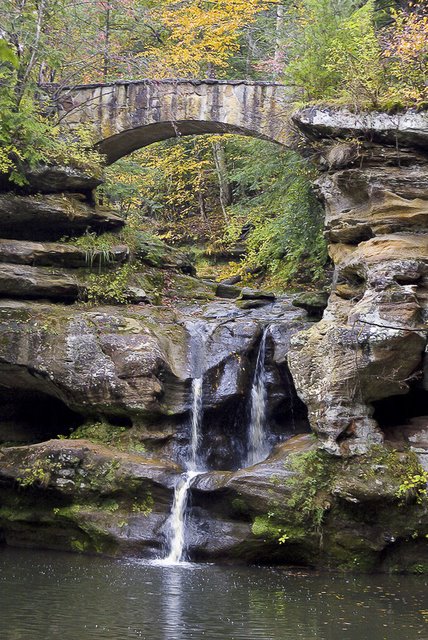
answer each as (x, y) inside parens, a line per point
(406, 55)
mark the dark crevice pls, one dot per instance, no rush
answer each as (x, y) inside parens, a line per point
(32, 416)
(120, 421)
(400, 410)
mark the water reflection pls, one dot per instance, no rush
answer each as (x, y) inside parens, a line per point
(49, 596)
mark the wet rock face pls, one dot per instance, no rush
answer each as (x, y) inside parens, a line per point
(80, 496)
(371, 341)
(105, 362)
(301, 506)
(134, 365)
(227, 356)
(360, 372)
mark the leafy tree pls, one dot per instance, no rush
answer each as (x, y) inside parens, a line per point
(176, 187)
(355, 58)
(274, 200)
(27, 136)
(405, 50)
(369, 54)
(311, 28)
(200, 38)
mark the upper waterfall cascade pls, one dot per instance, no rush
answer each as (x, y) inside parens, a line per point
(258, 440)
(258, 437)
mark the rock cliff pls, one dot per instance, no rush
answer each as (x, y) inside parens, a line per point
(352, 368)
(101, 332)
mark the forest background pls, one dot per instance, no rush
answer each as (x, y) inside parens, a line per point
(243, 206)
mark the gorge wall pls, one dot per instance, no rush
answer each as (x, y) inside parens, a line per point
(371, 344)
(100, 329)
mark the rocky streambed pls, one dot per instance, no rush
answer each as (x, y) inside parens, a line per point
(103, 330)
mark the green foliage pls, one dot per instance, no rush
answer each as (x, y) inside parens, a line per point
(164, 180)
(271, 197)
(110, 288)
(28, 139)
(301, 514)
(7, 54)
(110, 505)
(414, 486)
(39, 473)
(79, 546)
(357, 55)
(275, 200)
(144, 506)
(96, 245)
(28, 136)
(355, 58)
(309, 487)
(99, 432)
(312, 28)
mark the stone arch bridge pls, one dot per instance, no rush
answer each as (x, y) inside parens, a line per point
(129, 115)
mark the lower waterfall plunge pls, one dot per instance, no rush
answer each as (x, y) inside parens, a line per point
(176, 521)
(258, 441)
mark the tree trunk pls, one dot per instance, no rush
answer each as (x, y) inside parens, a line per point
(106, 56)
(201, 202)
(223, 180)
(24, 73)
(278, 34)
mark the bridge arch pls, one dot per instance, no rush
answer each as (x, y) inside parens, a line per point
(126, 116)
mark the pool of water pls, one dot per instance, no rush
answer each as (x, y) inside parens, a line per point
(56, 596)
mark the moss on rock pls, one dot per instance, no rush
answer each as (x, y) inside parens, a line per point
(350, 514)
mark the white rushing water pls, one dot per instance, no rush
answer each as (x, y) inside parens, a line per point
(258, 440)
(194, 464)
(196, 420)
(177, 519)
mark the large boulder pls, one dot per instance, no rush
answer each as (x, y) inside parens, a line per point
(80, 496)
(17, 281)
(303, 506)
(56, 254)
(104, 361)
(57, 179)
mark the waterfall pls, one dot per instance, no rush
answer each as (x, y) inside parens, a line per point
(258, 440)
(177, 519)
(196, 422)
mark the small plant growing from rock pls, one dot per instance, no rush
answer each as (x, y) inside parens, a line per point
(39, 474)
(110, 288)
(414, 486)
(145, 506)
